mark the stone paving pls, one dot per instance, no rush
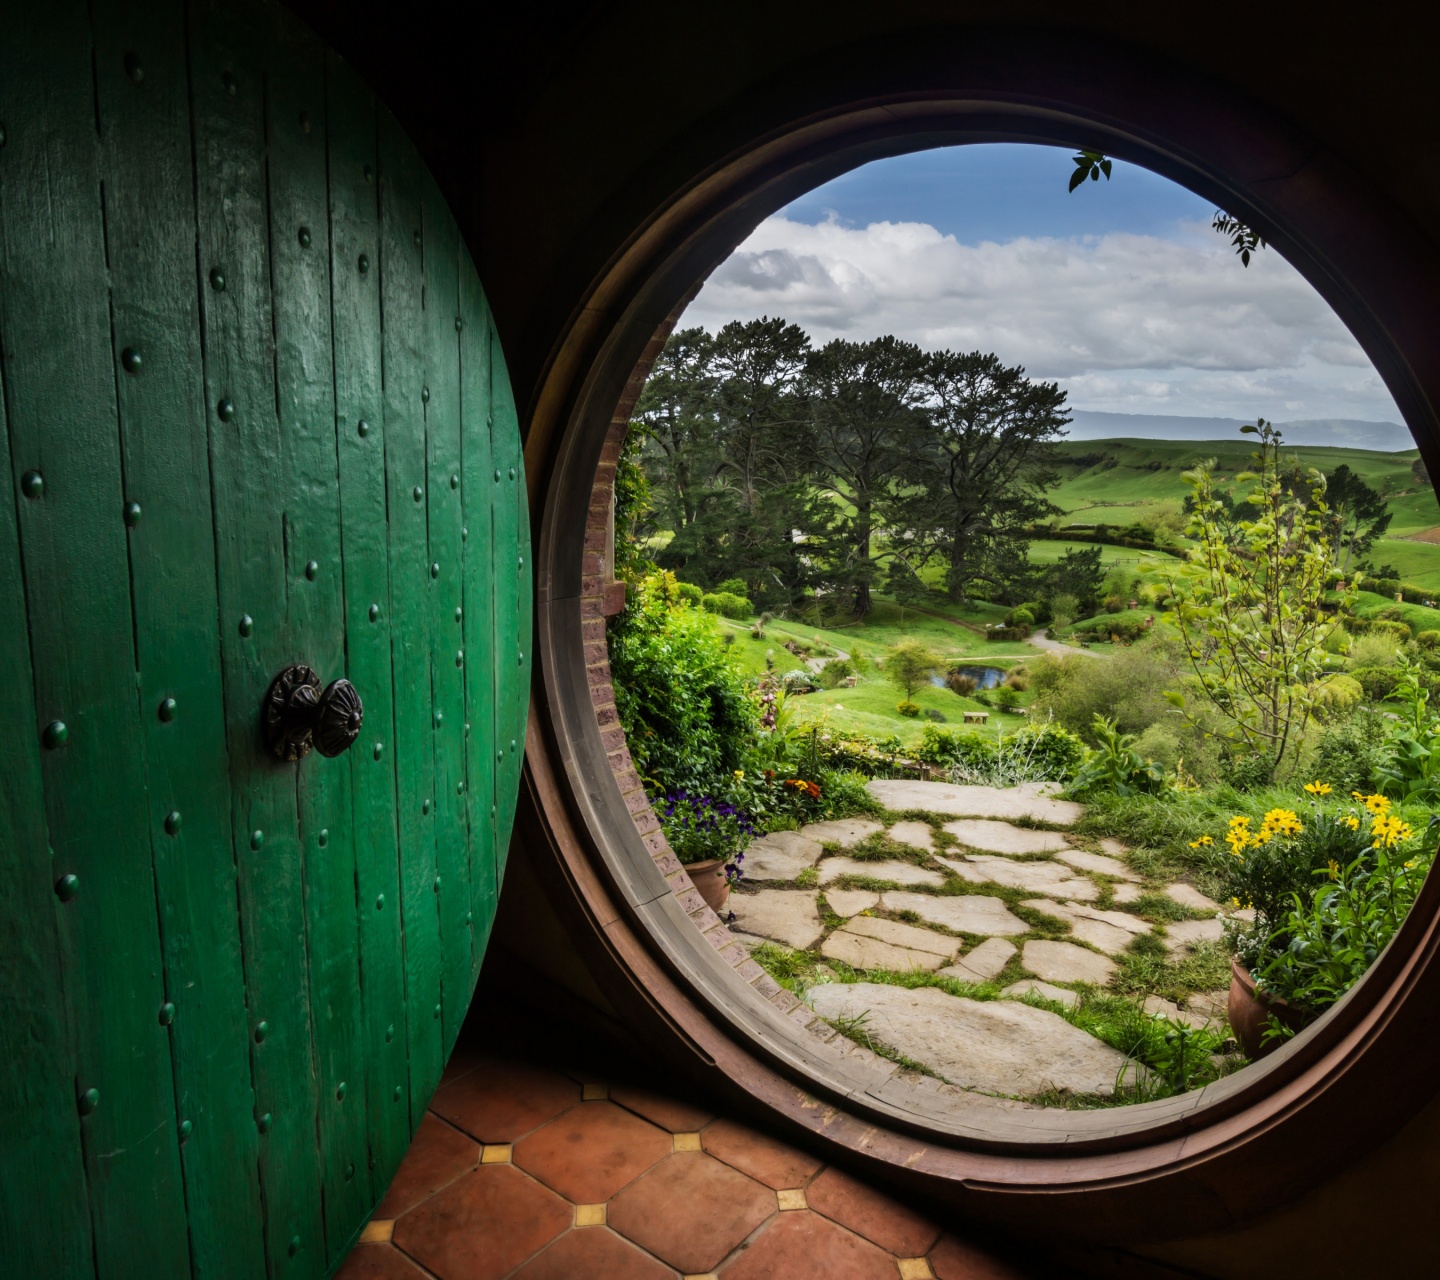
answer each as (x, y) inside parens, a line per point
(963, 895)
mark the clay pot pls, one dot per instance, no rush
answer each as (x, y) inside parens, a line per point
(709, 878)
(1250, 1012)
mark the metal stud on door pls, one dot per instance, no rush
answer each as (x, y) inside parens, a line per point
(262, 631)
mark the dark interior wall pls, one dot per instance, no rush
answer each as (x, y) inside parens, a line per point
(557, 130)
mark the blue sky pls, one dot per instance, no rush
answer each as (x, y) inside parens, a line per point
(1119, 291)
(1001, 192)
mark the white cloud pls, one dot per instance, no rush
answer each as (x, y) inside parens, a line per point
(1127, 323)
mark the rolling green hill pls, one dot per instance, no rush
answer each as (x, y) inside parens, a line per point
(1117, 481)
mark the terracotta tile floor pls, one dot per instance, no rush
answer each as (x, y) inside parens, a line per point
(519, 1170)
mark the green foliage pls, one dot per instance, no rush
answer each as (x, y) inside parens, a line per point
(835, 672)
(1251, 601)
(1020, 616)
(1127, 625)
(907, 709)
(689, 592)
(1337, 697)
(686, 709)
(728, 605)
(1351, 754)
(1128, 687)
(1333, 934)
(1412, 770)
(1037, 753)
(909, 666)
(1429, 639)
(1377, 682)
(1115, 766)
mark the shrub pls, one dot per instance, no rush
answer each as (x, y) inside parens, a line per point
(728, 605)
(1372, 650)
(932, 714)
(1350, 755)
(1129, 687)
(1007, 698)
(1020, 616)
(1337, 697)
(944, 747)
(684, 704)
(960, 684)
(835, 672)
(907, 709)
(1377, 682)
(1400, 631)
(1337, 639)
(1115, 767)
(734, 587)
(689, 592)
(1428, 639)
(799, 681)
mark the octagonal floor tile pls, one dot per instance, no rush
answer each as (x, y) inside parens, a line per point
(691, 1211)
(378, 1262)
(437, 1156)
(804, 1246)
(595, 1254)
(592, 1151)
(501, 1101)
(483, 1226)
(871, 1213)
(766, 1159)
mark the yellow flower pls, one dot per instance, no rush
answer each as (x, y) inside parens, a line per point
(1388, 831)
(1332, 869)
(1351, 821)
(1204, 840)
(1410, 866)
(739, 773)
(1376, 803)
(1239, 820)
(1319, 788)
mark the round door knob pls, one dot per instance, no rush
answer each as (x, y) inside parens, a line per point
(298, 714)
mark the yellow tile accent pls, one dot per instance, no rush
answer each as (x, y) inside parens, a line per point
(377, 1231)
(792, 1199)
(589, 1215)
(496, 1153)
(687, 1142)
(915, 1269)
(709, 1275)
(594, 1092)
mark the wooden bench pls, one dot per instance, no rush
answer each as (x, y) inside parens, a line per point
(977, 717)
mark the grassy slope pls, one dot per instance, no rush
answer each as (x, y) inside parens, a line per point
(1144, 471)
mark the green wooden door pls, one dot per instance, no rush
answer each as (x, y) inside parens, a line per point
(253, 412)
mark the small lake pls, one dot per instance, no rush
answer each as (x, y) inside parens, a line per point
(984, 677)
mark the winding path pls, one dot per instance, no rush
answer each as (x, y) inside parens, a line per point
(1041, 641)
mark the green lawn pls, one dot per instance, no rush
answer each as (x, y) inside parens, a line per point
(869, 708)
(1417, 616)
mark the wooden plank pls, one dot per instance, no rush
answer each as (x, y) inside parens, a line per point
(60, 401)
(355, 301)
(227, 85)
(305, 383)
(512, 576)
(477, 488)
(150, 235)
(441, 242)
(401, 282)
(44, 1215)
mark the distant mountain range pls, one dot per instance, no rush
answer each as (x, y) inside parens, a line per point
(1349, 433)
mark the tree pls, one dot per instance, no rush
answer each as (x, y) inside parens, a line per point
(909, 666)
(1077, 576)
(1250, 609)
(1356, 517)
(862, 399)
(676, 411)
(983, 477)
(903, 583)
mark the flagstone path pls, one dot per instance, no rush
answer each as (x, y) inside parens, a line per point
(989, 887)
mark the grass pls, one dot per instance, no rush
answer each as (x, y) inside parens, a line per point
(1417, 616)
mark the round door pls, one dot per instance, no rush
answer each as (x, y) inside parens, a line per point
(254, 420)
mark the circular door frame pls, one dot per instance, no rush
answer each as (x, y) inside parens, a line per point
(1208, 1159)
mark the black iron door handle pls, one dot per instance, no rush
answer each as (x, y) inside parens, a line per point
(298, 714)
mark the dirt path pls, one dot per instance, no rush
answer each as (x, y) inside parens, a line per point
(1041, 641)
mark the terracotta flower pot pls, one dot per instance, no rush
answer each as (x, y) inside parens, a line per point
(709, 878)
(1250, 1012)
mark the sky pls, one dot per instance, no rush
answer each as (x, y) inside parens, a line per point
(1120, 290)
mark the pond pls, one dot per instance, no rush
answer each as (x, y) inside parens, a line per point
(984, 677)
